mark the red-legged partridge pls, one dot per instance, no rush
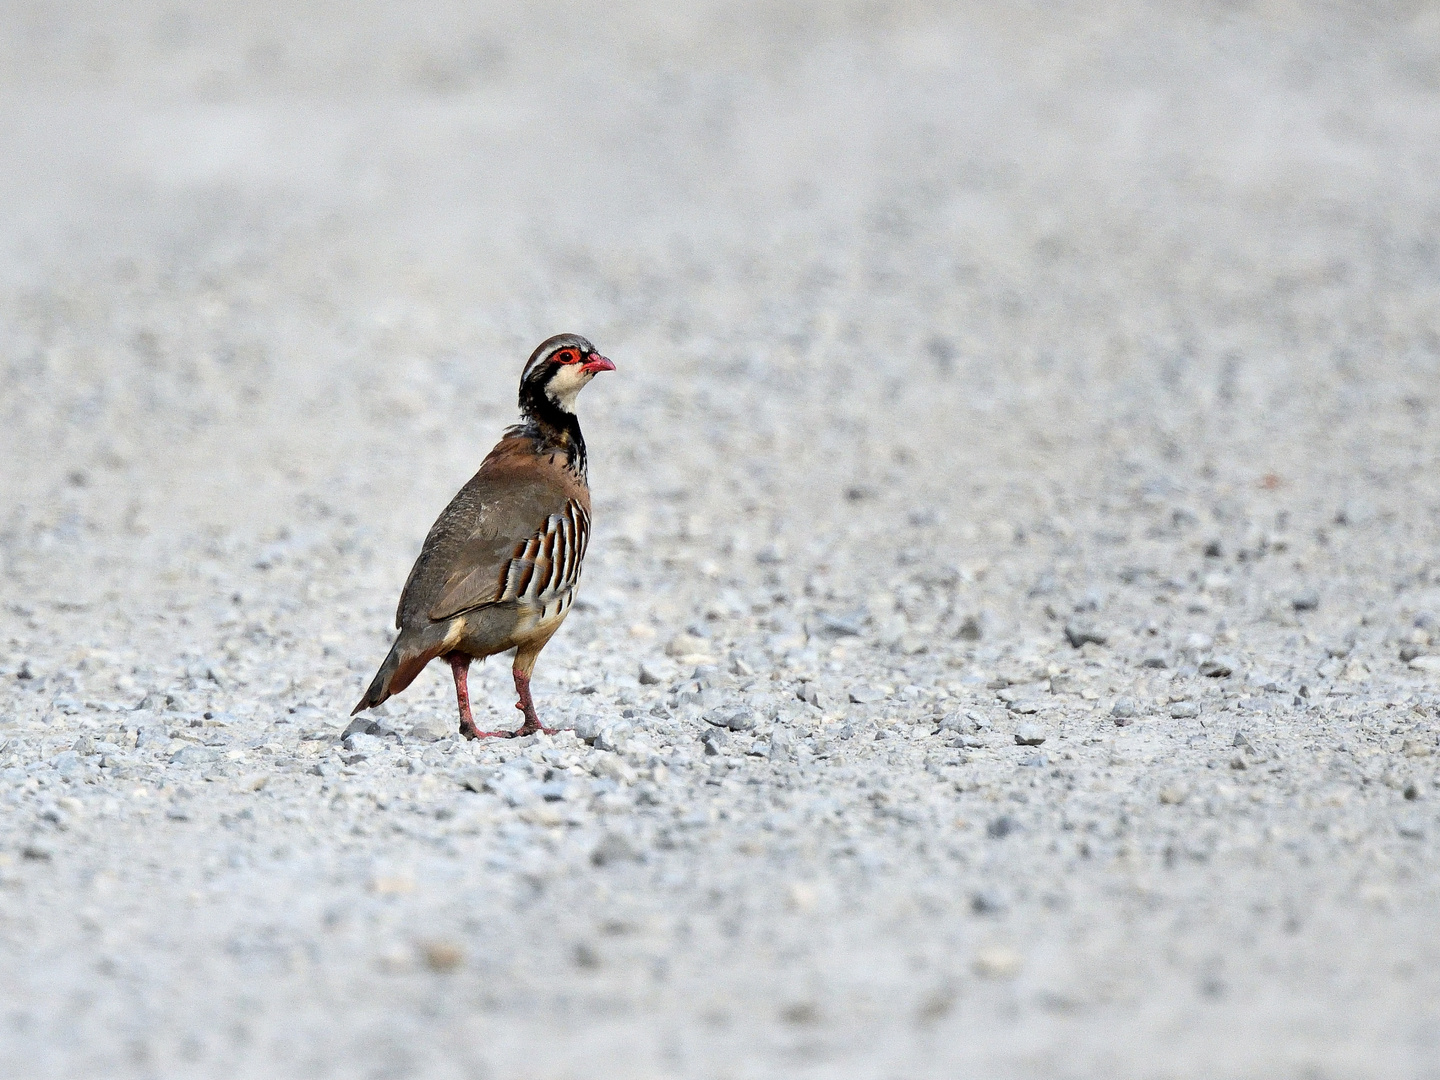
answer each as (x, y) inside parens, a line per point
(500, 566)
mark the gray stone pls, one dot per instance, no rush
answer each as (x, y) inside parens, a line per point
(1184, 710)
(587, 728)
(367, 745)
(559, 790)
(1083, 632)
(837, 626)
(152, 737)
(614, 848)
(1306, 601)
(811, 694)
(988, 901)
(1029, 735)
(1218, 667)
(1123, 709)
(739, 665)
(362, 725)
(611, 737)
(782, 745)
(735, 718)
(614, 767)
(1412, 828)
(867, 695)
(516, 786)
(431, 729)
(1001, 827)
(38, 850)
(193, 755)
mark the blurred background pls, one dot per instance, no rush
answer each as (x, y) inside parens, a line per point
(922, 311)
(258, 259)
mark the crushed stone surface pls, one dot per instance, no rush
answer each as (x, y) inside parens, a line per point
(1010, 640)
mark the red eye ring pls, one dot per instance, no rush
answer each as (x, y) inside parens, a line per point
(567, 356)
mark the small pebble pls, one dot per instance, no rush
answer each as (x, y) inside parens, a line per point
(587, 728)
(988, 902)
(1002, 827)
(614, 848)
(1029, 735)
(1218, 667)
(431, 729)
(1411, 828)
(442, 956)
(997, 962)
(1080, 633)
(736, 718)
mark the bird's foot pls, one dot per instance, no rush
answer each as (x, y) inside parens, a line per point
(529, 728)
(470, 731)
(532, 722)
(493, 734)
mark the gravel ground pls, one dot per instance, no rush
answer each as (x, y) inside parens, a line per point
(1010, 643)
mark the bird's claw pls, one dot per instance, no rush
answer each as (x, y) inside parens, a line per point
(518, 733)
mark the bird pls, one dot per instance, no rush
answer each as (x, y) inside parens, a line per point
(500, 566)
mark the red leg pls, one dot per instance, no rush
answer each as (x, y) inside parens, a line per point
(460, 666)
(526, 706)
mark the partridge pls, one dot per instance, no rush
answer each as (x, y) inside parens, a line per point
(500, 566)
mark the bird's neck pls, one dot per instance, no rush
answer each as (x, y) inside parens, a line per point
(553, 428)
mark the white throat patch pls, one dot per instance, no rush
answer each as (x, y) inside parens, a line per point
(566, 383)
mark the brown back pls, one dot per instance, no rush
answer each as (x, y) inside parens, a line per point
(467, 554)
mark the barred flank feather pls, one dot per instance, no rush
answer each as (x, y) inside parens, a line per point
(546, 568)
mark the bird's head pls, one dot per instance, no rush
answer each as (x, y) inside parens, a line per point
(558, 370)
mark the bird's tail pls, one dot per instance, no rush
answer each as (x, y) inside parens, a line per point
(396, 673)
